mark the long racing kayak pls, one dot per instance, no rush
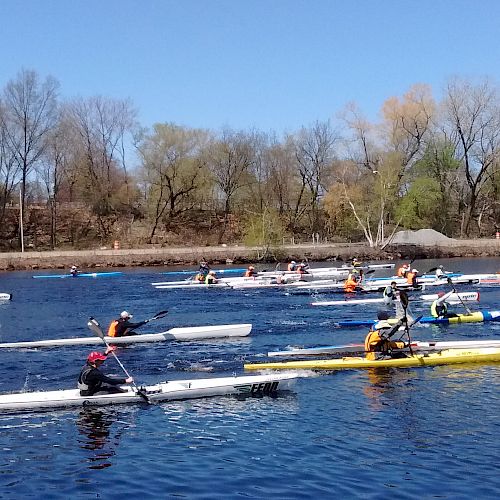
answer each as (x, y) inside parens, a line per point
(416, 345)
(474, 317)
(186, 333)
(247, 385)
(193, 272)
(79, 275)
(444, 357)
(455, 298)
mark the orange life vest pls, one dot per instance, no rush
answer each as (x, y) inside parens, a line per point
(249, 273)
(402, 271)
(410, 278)
(112, 328)
(350, 285)
(374, 343)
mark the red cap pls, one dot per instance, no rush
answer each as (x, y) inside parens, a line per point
(96, 356)
(441, 294)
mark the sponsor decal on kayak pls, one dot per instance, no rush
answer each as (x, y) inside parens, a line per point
(262, 388)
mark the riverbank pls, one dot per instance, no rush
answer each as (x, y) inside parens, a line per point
(235, 254)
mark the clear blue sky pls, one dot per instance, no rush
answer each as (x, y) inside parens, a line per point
(269, 64)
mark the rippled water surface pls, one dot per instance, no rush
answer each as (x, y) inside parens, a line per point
(400, 433)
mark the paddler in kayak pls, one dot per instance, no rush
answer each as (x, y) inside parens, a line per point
(303, 268)
(122, 326)
(92, 381)
(350, 284)
(439, 308)
(440, 273)
(74, 271)
(211, 278)
(292, 266)
(250, 272)
(390, 294)
(403, 270)
(411, 278)
(378, 344)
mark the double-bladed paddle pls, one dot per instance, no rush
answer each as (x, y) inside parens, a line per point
(450, 282)
(95, 328)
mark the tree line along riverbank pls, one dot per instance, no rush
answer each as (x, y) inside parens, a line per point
(222, 255)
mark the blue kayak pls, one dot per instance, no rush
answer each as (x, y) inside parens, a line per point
(473, 317)
(217, 271)
(79, 275)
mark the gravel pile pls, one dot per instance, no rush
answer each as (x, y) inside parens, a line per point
(420, 237)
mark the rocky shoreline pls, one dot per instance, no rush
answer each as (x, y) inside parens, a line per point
(235, 254)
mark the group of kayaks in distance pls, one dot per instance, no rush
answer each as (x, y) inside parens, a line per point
(388, 342)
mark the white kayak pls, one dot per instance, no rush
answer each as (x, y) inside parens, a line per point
(417, 345)
(186, 333)
(165, 391)
(5, 296)
(455, 298)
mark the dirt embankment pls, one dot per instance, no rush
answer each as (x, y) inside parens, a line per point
(169, 256)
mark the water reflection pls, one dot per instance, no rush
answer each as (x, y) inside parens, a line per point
(94, 435)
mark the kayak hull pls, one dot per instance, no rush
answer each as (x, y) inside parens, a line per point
(444, 357)
(182, 334)
(475, 317)
(416, 345)
(247, 385)
(5, 296)
(455, 298)
(79, 275)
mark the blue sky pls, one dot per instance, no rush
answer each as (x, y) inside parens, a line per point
(270, 65)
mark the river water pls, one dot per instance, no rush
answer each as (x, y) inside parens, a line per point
(399, 433)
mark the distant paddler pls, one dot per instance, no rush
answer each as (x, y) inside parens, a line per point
(74, 271)
(350, 284)
(355, 262)
(303, 268)
(250, 272)
(204, 268)
(211, 278)
(292, 266)
(439, 308)
(411, 278)
(390, 294)
(403, 270)
(440, 274)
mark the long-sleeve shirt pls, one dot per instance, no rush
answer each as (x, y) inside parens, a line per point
(91, 380)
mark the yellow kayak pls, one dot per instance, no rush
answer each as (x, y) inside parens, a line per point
(445, 357)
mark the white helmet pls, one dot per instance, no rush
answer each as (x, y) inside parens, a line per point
(414, 271)
(293, 262)
(73, 267)
(125, 315)
(382, 325)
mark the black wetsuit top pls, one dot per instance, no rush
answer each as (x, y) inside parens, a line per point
(94, 379)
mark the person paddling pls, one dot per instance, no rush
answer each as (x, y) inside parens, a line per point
(292, 266)
(250, 272)
(350, 284)
(211, 278)
(122, 326)
(390, 294)
(377, 342)
(92, 381)
(439, 308)
(74, 271)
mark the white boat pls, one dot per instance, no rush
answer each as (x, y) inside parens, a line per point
(5, 296)
(455, 298)
(186, 333)
(418, 346)
(165, 391)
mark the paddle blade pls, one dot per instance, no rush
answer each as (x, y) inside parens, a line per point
(159, 315)
(431, 270)
(95, 328)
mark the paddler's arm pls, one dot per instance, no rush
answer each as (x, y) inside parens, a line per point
(442, 299)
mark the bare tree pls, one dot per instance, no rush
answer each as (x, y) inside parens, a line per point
(314, 150)
(30, 113)
(473, 117)
(231, 157)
